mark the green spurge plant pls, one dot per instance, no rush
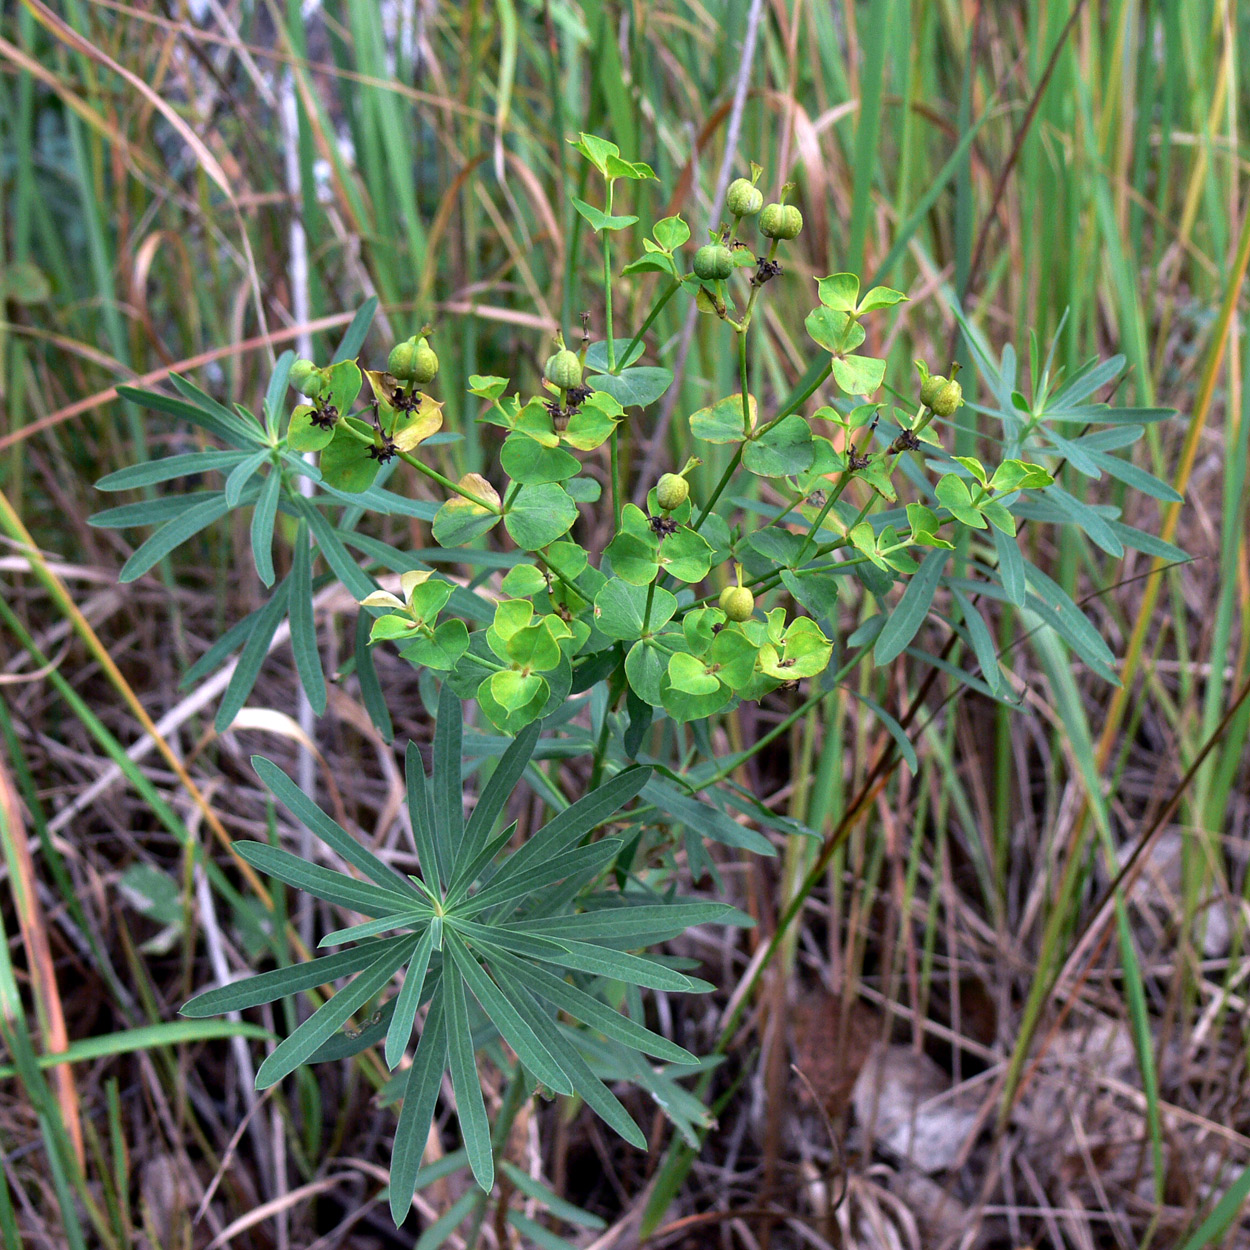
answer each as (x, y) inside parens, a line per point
(705, 597)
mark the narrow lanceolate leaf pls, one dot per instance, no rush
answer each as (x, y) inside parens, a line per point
(150, 472)
(470, 870)
(412, 918)
(635, 926)
(303, 627)
(248, 430)
(549, 1200)
(334, 887)
(504, 1016)
(497, 791)
(1010, 567)
(275, 392)
(267, 987)
(420, 1095)
(593, 1091)
(474, 1126)
(329, 831)
(511, 885)
(408, 1000)
(602, 961)
(419, 815)
(331, 546)
(982, 640)
(354, 336)
(370, 687)
(913, 607)
(263, 517)
(572, 824)
(173, 534)
(331, 1016)
(252, 657)
(1053, 603)
(446, 787)
(241, 474)
(229, 430)
(581, 1006)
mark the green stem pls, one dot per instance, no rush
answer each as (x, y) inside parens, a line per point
(646, 613)
(607, 286)
(793, 406)
(656, 308)
(730, 469)
(446, 482)
(614, 472)
(742, 380)
(601, 745)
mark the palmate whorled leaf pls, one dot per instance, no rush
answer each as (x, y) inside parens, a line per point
(481, 929)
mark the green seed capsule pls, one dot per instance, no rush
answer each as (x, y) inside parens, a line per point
(671, 491)
(400, 362)
(306, 378)
(424, 363)
(744, 198)
(931, 388)
(781, 221)
(713, 261)
(737, 603)
(948, 399)
(563, 369)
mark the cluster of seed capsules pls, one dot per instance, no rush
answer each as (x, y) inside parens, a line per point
(714, 262)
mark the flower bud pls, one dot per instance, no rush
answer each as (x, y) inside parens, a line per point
(948, 399)
(671, 491)
(781, 221)
(713, 261)
(306, 378)
(744, 198)
(563, 369)
(737, 603)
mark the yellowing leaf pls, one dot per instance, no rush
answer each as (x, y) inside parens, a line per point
(415, 427)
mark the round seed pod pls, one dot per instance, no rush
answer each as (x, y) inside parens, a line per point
(931, 388)
(713, 261)
(563, 369)
(744, 198)
(737, 603)
(948, 399)
(424, 363)
(399, 364)
(781, 221)
(671, 491)
(306, 378)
